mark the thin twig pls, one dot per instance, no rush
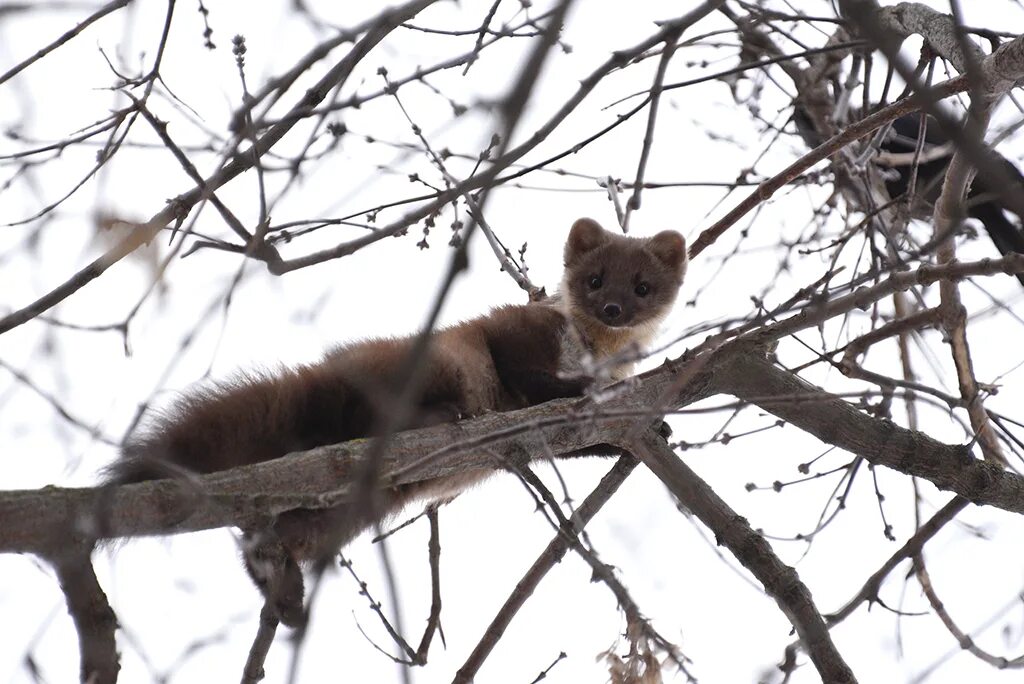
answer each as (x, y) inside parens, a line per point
(552, 554)
(64, 38)
(253, 671)
(652, 118)
(851, 133)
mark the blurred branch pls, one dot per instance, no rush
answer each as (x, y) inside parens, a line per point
(81, 26)
(850, 134)
(962, 638)
(906, 18)
(178, 208)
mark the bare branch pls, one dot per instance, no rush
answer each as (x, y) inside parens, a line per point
(110, 7)
(852, 133)
(253, 671)
(553, 554)
(94, 620)
(780, 581)
(179, 207)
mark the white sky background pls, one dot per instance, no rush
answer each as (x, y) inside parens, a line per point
(170, 593)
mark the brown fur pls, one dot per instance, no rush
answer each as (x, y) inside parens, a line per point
(513, 357)
(621, 264)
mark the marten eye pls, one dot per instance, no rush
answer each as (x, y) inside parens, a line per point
(595, 282)
(642, 290)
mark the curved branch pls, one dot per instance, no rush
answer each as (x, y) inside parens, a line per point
(938, 29)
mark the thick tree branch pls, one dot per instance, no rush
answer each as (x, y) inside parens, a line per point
(880, 441)
(906, 18)
(44, 519)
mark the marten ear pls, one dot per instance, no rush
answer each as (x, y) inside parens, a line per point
(586, 234)
(669, 247)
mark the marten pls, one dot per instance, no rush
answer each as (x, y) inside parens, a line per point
(615, 292)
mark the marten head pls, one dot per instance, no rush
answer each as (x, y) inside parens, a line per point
(622, 282)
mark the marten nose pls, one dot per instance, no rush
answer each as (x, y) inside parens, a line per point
(612, 310)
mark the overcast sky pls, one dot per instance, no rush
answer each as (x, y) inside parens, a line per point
(170, 594)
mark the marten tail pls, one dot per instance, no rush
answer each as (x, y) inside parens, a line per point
(249, 419)
(140, 464)
(256, 418)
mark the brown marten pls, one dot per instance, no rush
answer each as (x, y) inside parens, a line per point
(615, 292)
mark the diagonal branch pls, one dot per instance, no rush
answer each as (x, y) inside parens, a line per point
(112, 6)
(780, 581)
(553, 554)
(880, 441)
(831, 146)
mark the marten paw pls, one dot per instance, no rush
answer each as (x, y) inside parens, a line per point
(579, 385)
(440, 412)
(276, 574)
(288, 595)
